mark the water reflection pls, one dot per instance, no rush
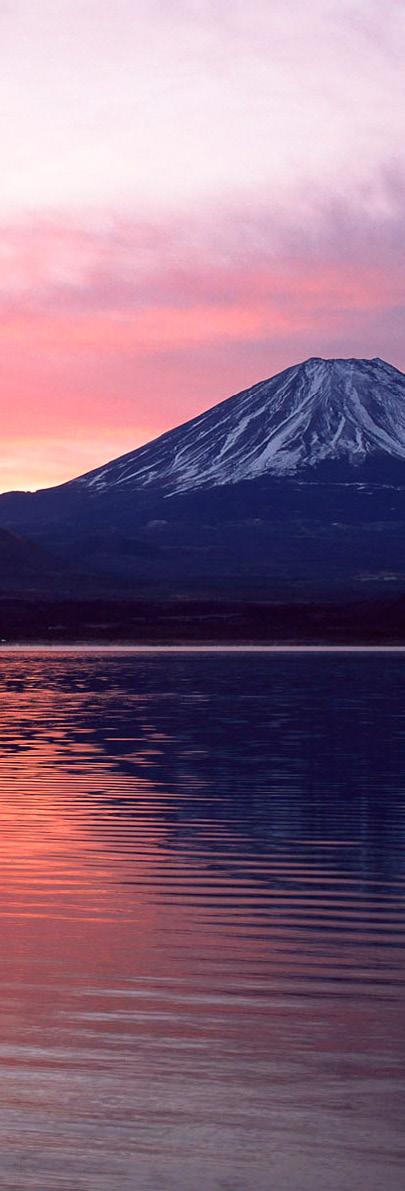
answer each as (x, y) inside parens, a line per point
(202, 921)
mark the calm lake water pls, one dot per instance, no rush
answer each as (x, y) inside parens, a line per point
(202, 921)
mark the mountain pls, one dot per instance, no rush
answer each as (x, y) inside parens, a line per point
(322, 410)
(23, 564)
(294, 488)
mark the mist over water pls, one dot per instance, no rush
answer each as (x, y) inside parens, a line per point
(202, 921)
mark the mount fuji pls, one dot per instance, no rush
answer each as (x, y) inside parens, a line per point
(294, 488)
(340, 410)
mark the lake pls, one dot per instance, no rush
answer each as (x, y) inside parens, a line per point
(202, 920)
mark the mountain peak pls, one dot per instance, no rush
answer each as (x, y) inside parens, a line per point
(316, 411)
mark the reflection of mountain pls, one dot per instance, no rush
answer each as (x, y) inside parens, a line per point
(258, 757)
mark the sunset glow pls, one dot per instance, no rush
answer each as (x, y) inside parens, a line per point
(194, 196)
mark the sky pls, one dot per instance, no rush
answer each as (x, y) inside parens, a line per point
(195, 194)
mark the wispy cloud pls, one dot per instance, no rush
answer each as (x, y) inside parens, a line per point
(152, 104)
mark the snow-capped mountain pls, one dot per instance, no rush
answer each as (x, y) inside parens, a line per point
(293, 488)
(321, 410)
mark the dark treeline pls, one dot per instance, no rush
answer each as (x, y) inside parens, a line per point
(201, 621)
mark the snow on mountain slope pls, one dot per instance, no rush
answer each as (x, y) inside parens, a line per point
(320, 410)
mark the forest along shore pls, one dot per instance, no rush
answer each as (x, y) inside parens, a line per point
(196, 621)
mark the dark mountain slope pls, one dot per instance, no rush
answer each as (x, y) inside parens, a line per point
(22, 564)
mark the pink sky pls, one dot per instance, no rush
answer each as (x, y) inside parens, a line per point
(194, 195)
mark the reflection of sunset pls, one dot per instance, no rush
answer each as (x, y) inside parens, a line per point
(188, 952)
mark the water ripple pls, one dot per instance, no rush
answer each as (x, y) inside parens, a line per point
(202, 921)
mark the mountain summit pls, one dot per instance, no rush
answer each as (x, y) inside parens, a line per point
(321, 410)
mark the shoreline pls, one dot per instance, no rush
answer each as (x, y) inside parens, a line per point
(207, 623)
(117, 647)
